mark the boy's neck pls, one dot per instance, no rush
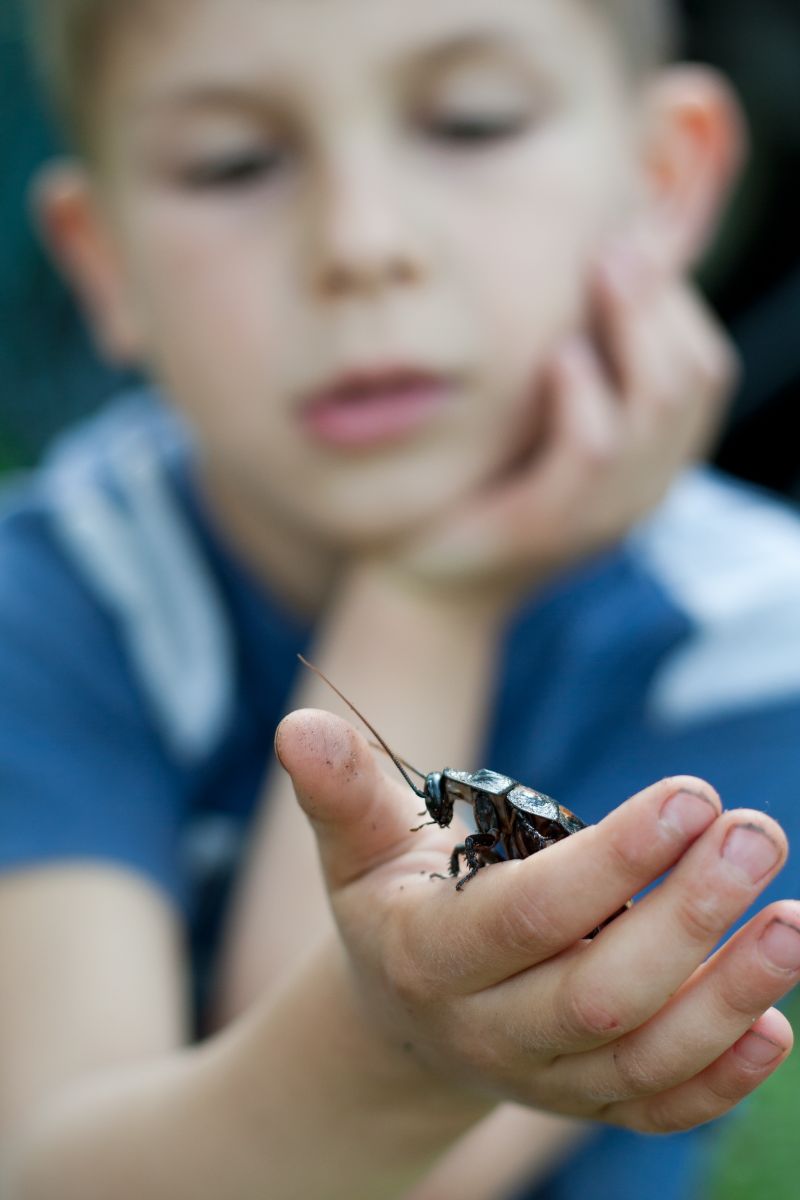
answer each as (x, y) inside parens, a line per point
(298, 569)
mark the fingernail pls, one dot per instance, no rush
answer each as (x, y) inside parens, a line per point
(758, 1050)
(781, 945)
(688, 813)
(750, 851)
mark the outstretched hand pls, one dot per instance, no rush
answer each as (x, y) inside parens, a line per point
(494, 991)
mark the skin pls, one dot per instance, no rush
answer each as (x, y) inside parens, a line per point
(360, 229)
(573, 405)
(596, 1047)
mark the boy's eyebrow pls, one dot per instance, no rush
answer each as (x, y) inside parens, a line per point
(476, 41)
(199, 96)
(244, 95)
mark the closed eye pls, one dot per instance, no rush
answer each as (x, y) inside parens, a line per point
(232, 171)
(477, 129)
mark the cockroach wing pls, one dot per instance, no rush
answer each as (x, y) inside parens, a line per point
(569, 821)
(490, 782)
(538, 805)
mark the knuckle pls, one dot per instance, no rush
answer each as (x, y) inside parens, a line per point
(584, 1017)
(526, 926)
(724, 1092)
(668, 397)
(598, 452)
(628, 860)
(664, 1114)
(405, 984)
(717, 370)
(701, 918)
(634, 1072)
(661, 1116)
(405, 977)
(739, 997)
(484, 1048)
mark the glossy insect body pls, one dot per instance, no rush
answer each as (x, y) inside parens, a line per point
(512, 821)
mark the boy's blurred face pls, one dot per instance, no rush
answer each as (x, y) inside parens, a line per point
(352, 230)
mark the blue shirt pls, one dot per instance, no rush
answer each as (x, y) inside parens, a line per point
(144, 671)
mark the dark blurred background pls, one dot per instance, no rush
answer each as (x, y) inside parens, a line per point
(49, 374)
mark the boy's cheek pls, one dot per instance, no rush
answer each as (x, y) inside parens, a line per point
(531, 285)
(536, 302)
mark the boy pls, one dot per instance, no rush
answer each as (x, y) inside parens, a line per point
(364, 252)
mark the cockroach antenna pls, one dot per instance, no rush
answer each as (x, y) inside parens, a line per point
(512, 821)
(404, 761)
(397, 761)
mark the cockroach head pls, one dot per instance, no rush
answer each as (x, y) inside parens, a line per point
(437, 801)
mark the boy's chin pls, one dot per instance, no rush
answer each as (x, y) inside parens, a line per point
(388, 524)
(376, 529)
(373, 537)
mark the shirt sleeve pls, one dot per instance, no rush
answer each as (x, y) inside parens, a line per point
(83, 773)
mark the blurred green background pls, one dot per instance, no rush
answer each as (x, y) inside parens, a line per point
(49, 374)
(758, 1157)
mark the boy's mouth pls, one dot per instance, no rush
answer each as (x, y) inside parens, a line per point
(373, 406)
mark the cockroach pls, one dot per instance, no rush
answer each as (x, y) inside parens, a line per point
(512, 820)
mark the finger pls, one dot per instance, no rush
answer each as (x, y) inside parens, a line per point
(621, 289)
(361, 818)
(660, 944)
(584, 442)
(547, 495)
(604, 472)
(586, 420)
(715, 1090)
(714, 1009)
(520, 913)
(580, 455)
(666, 350)
(703, 371)
(493, 532)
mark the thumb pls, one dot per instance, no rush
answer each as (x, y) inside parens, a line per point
(360, 817)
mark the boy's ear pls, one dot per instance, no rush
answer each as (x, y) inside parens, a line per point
(695, 144)
(70, 222)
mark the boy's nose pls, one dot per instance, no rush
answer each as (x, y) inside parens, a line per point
(365, 240)
(366, 273)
